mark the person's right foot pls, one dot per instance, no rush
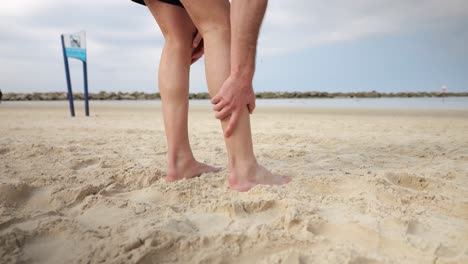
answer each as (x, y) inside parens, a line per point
(188, 169)
(245, 179)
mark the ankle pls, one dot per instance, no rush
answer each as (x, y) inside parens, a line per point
(177, 164)
(179, 159)
(240, 164)
(246, 161)
(242, 170)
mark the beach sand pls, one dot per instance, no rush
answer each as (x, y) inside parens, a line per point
(369, 186)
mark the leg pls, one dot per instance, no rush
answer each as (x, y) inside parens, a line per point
(174, 71)
(212, 18)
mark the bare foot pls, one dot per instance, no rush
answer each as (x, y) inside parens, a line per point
(188, 169)
(245, 179)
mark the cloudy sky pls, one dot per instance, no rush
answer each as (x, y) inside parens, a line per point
(305, 45)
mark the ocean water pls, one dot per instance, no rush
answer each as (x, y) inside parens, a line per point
(371, 103)
(460, 103)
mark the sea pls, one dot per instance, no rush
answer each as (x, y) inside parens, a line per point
(455, 103)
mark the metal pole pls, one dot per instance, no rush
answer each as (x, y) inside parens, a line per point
(85, 76)
(67, 74)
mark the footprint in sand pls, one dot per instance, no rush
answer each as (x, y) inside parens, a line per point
(70, 197)
(408, 181)
(105, 164)
(14, 194)
(363, 260)
(78, 165)
(415, 228)
(445, 251)
(4, 151)
(245, 208)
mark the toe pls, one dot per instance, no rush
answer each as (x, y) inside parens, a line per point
(280, 180)
(204, 168)
(216, 169)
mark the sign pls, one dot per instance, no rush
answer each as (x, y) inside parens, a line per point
(75, 45)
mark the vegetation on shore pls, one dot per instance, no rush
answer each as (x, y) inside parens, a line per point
(265, 95)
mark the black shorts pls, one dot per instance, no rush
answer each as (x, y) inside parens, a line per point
(172, 2)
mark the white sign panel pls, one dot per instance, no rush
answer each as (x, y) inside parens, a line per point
(75, 45)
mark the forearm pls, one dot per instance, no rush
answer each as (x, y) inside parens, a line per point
(246, 19)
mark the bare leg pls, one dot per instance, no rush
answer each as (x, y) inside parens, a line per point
(174, 71)
(212, 18)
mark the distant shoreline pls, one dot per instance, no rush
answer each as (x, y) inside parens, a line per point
(53, 96)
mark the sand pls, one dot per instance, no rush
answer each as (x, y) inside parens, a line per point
(369, 186)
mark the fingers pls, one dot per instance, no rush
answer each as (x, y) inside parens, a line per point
(198, 52)
(223, 113)
(194, 60)
(251, 106)
(196, 40)
(232, 124)
(216, 99)
(196, 56)
(219, 106)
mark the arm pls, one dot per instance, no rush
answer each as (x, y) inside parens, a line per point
(246, 18)
(198, 47)
(237, 91)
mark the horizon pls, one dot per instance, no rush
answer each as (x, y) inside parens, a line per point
(256, 92)
(389, 47)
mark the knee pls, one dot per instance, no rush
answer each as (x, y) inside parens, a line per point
(210, 21)
(178, 42)
(179, 36)
(218, 26)
(217, 31)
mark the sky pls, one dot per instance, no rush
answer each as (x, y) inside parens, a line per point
(304, 45)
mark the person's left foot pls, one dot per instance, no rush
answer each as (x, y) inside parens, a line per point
(189, 169)
(244, 178)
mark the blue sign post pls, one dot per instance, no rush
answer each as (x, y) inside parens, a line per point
(74, 46)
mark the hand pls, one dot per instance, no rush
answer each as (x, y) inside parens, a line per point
(198, 47)
(235, 94)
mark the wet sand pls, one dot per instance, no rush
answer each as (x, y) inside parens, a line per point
(369, 186)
